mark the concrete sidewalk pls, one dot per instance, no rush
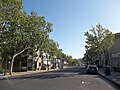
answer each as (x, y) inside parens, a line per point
(114, 77)
(23, 73)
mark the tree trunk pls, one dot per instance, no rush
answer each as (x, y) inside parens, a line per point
(107, 58)
(47, 64)
(12, 64)
(14, 56)
(42, 63)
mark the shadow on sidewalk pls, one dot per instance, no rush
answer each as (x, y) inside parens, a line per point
(113, 78)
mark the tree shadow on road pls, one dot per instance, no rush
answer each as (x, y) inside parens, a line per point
(45, 76)
(68, 72)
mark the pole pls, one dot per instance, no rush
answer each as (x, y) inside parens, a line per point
(9, 66)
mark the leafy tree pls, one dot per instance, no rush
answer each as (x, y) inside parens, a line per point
(10, 18)
(72, 61)
(99, 40)
(53, 48)
(20, 31)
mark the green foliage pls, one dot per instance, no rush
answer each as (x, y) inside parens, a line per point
(70, 60)
(98, 41)
(21, 33)
(10, 17)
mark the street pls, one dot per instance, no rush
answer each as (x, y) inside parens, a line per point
(73, 78)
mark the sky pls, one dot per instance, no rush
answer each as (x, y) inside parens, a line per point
(71, 18)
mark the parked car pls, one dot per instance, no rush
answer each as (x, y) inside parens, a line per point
(92, 69)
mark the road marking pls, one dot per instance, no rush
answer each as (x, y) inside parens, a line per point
(83, 82)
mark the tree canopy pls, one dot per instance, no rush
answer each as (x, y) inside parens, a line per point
(20, 32)
(98, 41)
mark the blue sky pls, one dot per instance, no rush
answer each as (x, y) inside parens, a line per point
(71, 18)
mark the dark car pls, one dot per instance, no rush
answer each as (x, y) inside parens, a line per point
(92, 69)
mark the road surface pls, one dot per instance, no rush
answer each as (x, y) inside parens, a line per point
(68, 79)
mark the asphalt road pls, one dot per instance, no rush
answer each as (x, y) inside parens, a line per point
(68, 79)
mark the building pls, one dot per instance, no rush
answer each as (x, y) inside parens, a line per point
(29, 62)
(114, 53)
(20, 64)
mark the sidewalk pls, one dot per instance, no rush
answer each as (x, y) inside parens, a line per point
(114, 77)
(23, 73)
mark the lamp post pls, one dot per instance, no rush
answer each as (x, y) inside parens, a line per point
(9, 66)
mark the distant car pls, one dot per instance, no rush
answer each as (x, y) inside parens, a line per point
(92, 69)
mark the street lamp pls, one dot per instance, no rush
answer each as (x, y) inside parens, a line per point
(9, 65)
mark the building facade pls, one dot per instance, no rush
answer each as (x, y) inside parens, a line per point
(114, 53)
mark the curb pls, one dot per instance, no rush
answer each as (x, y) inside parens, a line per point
(118, 85)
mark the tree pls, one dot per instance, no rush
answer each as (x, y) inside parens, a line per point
(10, 18)
(53, 48)
(34, 32)
(20, 31)
(71, 61)
(99, 40)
